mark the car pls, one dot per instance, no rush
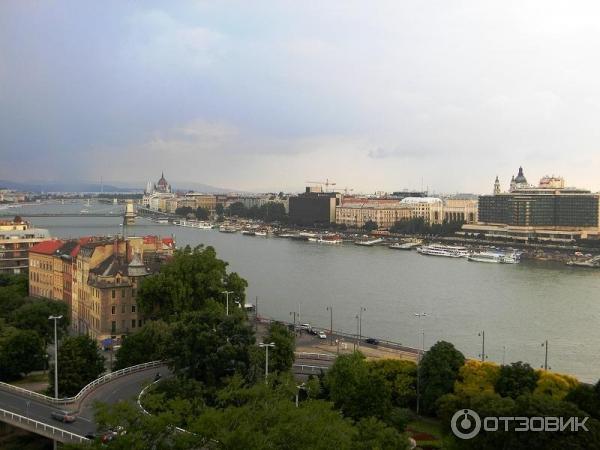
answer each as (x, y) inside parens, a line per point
(372, 341)
(322, 335)
(305, 326)
(63, 416)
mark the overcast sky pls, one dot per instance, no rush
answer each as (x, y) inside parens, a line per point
(265, 95)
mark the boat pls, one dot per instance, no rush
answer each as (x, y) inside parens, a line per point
(494, 257)
(450, 251)
(593, 263)
(227, 229)
(330, 239)
(368, 242)
(260, 233)
(248, 233)
(404, 245)
(163, 221)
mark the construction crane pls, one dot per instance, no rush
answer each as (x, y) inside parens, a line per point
(327, 183)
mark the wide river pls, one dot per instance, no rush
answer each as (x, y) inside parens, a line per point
(519, 306)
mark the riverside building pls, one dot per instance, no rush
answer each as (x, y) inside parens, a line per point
(547, 212)
(314, 207)
(98, 278)
(17, 236)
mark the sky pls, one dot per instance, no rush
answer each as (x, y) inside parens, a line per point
(266, 95)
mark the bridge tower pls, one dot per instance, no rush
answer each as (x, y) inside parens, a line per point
(129, 217)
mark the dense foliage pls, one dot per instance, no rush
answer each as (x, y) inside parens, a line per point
(79, 363)
(417, 225)
(281, 357)
(147, 344)
(268, 212)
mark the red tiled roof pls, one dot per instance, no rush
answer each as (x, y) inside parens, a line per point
(46, 247)
(149, 239)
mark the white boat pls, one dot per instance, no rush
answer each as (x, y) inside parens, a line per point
(494, 257)
(404, 245)
(330, 239)
(248, 233)
(163, 221)
(226, 229)
(368, 242)
(260, 233)
(450, 251)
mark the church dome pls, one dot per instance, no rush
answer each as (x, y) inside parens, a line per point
(520, 177)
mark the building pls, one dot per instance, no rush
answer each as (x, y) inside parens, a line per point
(549, 211)
(314, 207)
(98, 278)
(17, 236)
(156, 196)
(384, 214)
(460, 210)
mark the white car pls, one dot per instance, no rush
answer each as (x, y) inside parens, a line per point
(322, 335)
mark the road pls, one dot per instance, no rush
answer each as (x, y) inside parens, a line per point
(126, 387)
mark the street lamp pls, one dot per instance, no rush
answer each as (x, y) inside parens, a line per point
(359, 325)
(301, 386)
(55, 318)
(293, 313)
(483, 356)
(330, 309)
(266, 346)
(418, 316)
(227, 301)
(545, 366)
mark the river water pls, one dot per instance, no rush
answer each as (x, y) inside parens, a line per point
(518, 306)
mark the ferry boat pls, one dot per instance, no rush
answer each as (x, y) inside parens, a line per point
(368, 242)
(450, 251)
(404, 245)
(494, 257)
(331, 239)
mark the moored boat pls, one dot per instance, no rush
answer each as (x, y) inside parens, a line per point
(449, 251)
(368, 242)
(494, 257)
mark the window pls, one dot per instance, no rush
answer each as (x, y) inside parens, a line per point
(113, 309)
(122, 293)
(113, 293)
(113, 326)
(132, 323)
(132, 308)
(139, 322)
(122, 309)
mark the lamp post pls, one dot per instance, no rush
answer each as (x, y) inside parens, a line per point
(55, 318)
(293, 313)
(266, 347)
(359, 325)
(483, 356)
(545, 344)
(418, 316)
(301, 386)
(227, 301)
(330, 309)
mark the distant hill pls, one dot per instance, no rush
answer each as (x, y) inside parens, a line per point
(75, 186)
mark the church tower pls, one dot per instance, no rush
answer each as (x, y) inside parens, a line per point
(496, 186)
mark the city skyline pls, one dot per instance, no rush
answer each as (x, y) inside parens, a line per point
(265, 97)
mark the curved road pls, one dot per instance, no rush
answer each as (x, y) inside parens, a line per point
(126, 387)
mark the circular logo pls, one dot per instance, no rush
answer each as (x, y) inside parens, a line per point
(465, 424)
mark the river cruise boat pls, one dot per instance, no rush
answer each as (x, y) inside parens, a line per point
(494, 257)
(449, 251)
(248, 233)
(227, 229)
(368, 242)
(404, 245)
(330, 239)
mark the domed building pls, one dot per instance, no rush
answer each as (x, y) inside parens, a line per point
(519, 182)
(155, 195)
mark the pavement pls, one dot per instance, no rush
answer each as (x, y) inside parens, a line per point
(123, 388)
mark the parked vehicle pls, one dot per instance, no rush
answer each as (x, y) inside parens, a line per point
(63, 416)
(372, 341)
(305, 327)
(322, 335)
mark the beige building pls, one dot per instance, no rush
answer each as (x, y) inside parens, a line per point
(355, 215)
(460, 210)
(16, 238)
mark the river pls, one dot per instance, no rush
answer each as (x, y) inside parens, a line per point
(518, 306)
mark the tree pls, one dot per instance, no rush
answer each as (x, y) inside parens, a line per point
(586, 398)
(355, 389)
(219, 209)
(202, 213)
(555, 385)
(188, 282)
(13, 290)
(370, 225)
(439, 370)
(21, 351)
(34, 316)
(516, 379)
(147, 344)
(79, 363)
(401, 378)
(281, 357)
(375, 434)
(476, 377)
(208, 346)
(237, 209)
(184, 211)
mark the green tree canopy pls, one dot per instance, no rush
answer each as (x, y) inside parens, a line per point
(401, 378)
(281, 357)
(516, 379)
(206, 345)
(21, 351)
(79, 363)
(186, 283)
(439, 370)
(147, 344)
(34, 314)
(355, 389)
(202, 213)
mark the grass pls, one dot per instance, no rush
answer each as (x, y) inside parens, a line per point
(428, 430)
